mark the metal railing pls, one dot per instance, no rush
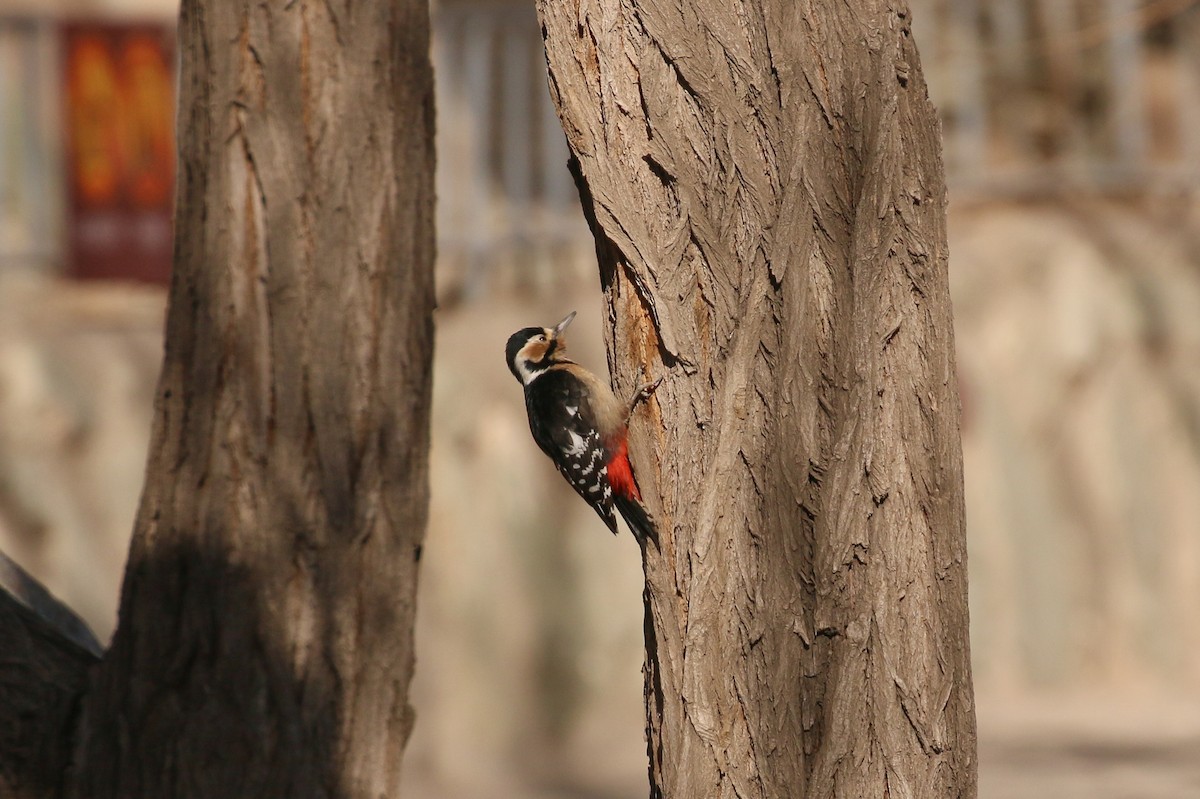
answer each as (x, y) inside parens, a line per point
(31, 204)
(508, 211)
(1038, 96)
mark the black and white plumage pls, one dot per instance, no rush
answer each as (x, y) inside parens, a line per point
(565, 431)
(580, 424)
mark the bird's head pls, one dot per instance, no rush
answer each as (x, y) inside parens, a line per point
(533, 350)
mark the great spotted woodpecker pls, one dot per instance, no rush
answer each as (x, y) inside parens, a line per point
(577, 420)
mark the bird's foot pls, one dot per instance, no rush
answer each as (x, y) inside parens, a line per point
(643, 393)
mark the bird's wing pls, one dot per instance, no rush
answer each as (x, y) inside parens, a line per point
(567, 433)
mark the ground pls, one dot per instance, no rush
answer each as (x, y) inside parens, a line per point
(1129, 748)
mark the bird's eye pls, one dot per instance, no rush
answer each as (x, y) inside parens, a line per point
(541, 337)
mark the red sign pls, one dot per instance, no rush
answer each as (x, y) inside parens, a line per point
(120, 141)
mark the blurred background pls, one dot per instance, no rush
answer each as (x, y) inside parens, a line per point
(1072, 147)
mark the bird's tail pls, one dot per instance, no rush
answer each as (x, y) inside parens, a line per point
(639, 521)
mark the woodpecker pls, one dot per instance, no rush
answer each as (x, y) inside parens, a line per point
(577, 420)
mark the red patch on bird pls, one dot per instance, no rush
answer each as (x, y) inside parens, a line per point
(620, 473)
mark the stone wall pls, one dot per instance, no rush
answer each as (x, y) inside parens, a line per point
(1078, 330)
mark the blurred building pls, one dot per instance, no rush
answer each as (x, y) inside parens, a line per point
(1037, 97)
(1074, 170)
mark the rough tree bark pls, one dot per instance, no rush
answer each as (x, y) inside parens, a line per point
(765, 184)
(265, 639)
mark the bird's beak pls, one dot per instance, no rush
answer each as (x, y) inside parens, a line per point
(561, 326)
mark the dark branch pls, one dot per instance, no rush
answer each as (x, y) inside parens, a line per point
(42, 676)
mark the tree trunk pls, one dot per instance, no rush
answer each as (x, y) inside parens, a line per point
(765, 184)
(265, 639)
